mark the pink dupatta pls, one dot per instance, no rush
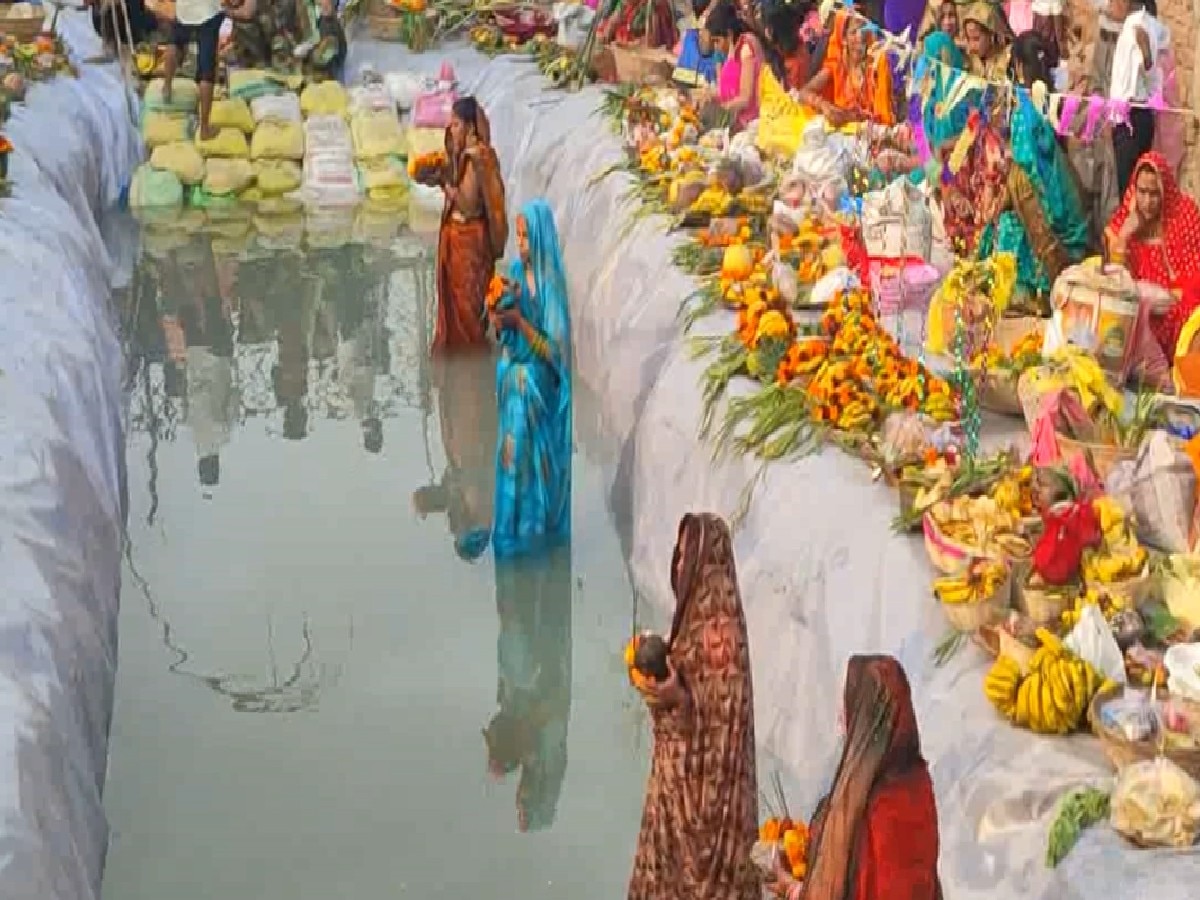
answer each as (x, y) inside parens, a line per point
(729, 81)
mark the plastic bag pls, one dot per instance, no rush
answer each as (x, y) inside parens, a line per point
(1182, 662)
(1156, 804)
(231, 114)
(1092, 640)
(277, 176)
(380, 172)
(404, 88)
(904, 436)
(228, 143)
(432, 109)
(282, 107)
(227, 176)
(202, 199)
(154, 188)
(180, 158)
(783, 277)
(1162, 493)
(330, 180)
(160, 128)
(251, 84)
(325, 99)
(377, 134)
(275, 139)
(185, 96)
(1131, 715)
(327, 134)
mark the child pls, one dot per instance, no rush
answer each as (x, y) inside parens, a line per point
(697, 64)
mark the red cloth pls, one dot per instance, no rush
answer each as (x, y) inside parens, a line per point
(1172, 262)
(1069, 530)
(897, 852)
(465, 266)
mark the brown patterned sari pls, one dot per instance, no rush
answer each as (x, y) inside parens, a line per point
(700, 817)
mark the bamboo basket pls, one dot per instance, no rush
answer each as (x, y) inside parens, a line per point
(1122, 752)
(1133, 592)
(20, 28)
(1009, 330)
(1041, 606)
(638, 64)
(970, 617)
(1103, 457)
(947, 555)
(998, 393)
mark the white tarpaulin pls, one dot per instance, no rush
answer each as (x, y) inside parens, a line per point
(821, 573)
(61, 474)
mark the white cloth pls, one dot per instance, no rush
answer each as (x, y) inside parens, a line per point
(1048, 8)
(196, 12)
(1131, 80)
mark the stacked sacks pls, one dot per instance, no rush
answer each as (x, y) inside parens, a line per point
(379, 145)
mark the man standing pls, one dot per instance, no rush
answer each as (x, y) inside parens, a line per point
(196, 21)
(1133, 70)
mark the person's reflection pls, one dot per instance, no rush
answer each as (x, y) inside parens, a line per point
(529, 732)
(466, 392)
(294, 307)
(205, 328)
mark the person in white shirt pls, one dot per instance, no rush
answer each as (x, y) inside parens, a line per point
(1134, 66)
(196, 21)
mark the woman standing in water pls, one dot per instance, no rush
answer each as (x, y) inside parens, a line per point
(700, 818)
(533, 394)
(875, 836)
(474, 229)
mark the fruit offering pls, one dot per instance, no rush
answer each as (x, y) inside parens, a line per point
(1049, 696)
(792, 839)
(1110, 607)
(981, 523)
(1119, 557)
(981, 580)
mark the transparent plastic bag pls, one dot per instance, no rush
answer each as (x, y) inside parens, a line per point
(1092, 640)
(1157, 804)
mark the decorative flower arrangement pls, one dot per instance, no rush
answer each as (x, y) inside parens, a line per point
(6, 148)
(425, 167)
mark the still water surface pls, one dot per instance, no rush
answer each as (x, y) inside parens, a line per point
(306, 666)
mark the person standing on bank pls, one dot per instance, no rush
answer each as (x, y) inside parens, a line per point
(1133, 81)
(196, 21)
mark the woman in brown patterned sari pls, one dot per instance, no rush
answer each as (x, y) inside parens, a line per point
(699, 821)
(474, 229)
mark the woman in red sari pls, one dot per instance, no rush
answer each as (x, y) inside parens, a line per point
(875, 836)
(1155, 234)
(699, 821)
(474, 229)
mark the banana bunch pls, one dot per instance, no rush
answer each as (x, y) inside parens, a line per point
(981, 522)
(940, 407)
(1109, 607)
(981, 580)
(714, 201)
(754, 203)
(558, 69)
(1012, 493)
(1051, 695)
(486, 37)
(857, 414)
(1106, 567)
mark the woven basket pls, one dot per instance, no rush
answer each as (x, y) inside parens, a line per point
(1103, 457)
(21, 28)
(947, 555)
(1133, 592)
(637, 64)
(970, 617)
(1011, 329)
(998, 393)
(1122, 752)
(1042, 606)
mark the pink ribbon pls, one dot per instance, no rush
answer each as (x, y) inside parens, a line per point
(1096, 108)
(1118, 112)
(1066, 114)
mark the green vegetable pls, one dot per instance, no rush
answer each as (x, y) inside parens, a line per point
(1078, 811)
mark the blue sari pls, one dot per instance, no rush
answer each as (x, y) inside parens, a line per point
(533, 388)
(1046, 223)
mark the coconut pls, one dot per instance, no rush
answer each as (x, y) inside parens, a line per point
(650, 658)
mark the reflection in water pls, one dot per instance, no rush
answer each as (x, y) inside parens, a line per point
(466, 401)
(533, 601)
(216, 339)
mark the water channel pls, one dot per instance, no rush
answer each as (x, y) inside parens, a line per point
(306, 667)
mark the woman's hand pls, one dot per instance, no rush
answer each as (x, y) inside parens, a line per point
(666, 693)
(508, 319)
(1133, 224)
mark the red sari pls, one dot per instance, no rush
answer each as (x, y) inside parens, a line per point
(468, 250)
(875, 837)
(1173, 261)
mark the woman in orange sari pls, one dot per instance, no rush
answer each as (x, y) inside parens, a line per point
(875, 836)
(852, 85)
(474, 229)
(699, 821)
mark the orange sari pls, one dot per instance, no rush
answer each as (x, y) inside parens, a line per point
(863, 90)
(468, 250)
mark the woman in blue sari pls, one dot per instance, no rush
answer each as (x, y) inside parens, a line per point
(1038, 216)
(533, 387)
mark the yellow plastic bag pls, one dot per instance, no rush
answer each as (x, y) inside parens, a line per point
(377, 133)
(380, 172)
(180, 158)
(781, 119)
(184, 95)
(392, 195)
(160, 128)
(229, 143)
(277, 176)
(232, 114)
(228, 176)
(278, 140)
(280, 206)
(325, 99)
(251, 195)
